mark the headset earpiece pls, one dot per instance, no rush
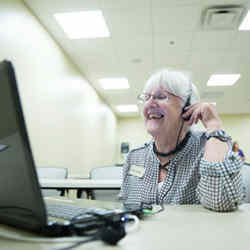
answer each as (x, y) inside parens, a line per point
(183, 109)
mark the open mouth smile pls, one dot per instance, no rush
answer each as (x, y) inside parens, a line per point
(155, 114)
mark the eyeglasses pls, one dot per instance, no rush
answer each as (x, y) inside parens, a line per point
(144, 97)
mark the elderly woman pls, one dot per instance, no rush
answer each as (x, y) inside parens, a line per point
(181, 166)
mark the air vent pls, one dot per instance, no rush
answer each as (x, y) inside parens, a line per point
(223, 17)
(211, 94)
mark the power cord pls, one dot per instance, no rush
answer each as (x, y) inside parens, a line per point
(17, 237)
(131, 228)
(110, 232)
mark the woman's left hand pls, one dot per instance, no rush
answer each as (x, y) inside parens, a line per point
(206, 112)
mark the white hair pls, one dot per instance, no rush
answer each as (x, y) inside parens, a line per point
(176, 82)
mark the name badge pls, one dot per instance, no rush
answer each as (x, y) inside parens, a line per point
(137, 170)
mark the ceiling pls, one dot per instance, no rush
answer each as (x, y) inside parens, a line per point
(147, 35)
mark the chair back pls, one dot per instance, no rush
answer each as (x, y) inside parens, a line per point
(52, 173)
(245, 171)
(106, 173)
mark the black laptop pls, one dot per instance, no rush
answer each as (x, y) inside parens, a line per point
(21, 202)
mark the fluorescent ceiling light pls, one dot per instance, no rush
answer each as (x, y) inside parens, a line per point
(127, 108)
(83, 24)
(245, 25)
(223, 79)
(114, 83)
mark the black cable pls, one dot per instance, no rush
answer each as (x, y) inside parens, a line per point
(183, 120)
(108, 229)
(185, 139)
(178, 137)
(177, 148)
(79, 243)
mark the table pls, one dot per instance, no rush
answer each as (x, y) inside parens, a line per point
(186, 227)
(80, 184)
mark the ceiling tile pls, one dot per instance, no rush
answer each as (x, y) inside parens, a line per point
(176, 3)
(121, 4)
(101, 67)
(137, 47)
(235, 62)
(171, 60)
(171, 49)
(205, 61)
(241, 41)
(62, 5)
(101, 47)
(173, 41)
(212, 40)
(128, 22)
(125, 97)
(174, 19)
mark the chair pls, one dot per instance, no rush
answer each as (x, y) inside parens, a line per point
(108, 173)
(246, 180)
(52, 173)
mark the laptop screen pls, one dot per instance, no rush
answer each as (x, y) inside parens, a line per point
(21, 202)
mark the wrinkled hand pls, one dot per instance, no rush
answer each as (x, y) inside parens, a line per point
(206, 112)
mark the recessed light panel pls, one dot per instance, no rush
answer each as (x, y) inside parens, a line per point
(114, 83)
(83, 24)
(127, 108)
(223, 79)
(245, 25)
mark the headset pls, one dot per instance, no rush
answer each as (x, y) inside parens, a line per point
(186, 105)
(188, 102)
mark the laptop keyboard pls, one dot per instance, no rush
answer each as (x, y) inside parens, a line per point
(69, 211)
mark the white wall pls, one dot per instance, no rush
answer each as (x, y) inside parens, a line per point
(68, 124)
(131, 130)
(237, 126)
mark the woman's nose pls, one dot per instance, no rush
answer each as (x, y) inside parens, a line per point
(152, 100)
(150, 103)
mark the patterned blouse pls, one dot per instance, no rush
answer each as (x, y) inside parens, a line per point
(190, 178)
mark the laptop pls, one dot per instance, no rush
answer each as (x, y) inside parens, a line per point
(21, 201)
